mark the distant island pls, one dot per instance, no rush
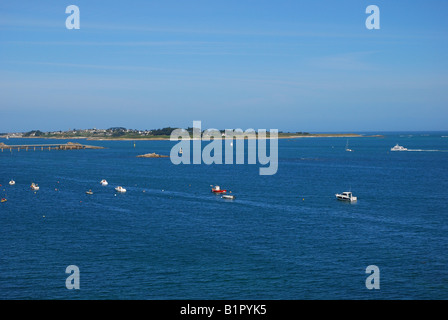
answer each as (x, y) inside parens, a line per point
(120, 133)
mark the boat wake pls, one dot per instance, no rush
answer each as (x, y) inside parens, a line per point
(425, 150)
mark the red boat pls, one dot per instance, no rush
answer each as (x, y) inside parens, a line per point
(217, 189)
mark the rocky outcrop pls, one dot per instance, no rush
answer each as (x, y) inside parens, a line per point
(152, 155)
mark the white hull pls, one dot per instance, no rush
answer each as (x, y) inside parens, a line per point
(398, 148)
(346, 196)
(120, 189)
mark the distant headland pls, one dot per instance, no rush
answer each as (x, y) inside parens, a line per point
(120, 133)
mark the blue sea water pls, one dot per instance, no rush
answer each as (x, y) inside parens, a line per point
(284, 237)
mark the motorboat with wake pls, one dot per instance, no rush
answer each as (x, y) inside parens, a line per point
(346, 196)
(398, 148)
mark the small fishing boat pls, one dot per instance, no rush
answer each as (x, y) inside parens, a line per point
(228, 196)
(12, 182)
(104, 182)
(34, 186)
(346, 196)
(217, 189)
(120, 189)
(89, 192)
(180, 151)
(3, 200)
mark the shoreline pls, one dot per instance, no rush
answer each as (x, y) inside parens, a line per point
(317, 135)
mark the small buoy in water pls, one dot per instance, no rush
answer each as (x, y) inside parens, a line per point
(303, 199)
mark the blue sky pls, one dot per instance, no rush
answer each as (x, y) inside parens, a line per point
(289, 65)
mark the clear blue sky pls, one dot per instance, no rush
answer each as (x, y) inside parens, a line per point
(291, 65)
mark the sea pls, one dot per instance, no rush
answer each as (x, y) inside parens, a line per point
(284, 236)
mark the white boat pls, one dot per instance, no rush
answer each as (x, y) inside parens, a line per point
(34, 186)
(12, 182)
(228, 196)
(120, 189)
(180, 151)
(398, 148)
(104, 182)
(347, 148)
(346, 196)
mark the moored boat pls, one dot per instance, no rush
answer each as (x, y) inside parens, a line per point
(3, 200)
(346, 196)
(217, 189)
(347, 148)
(120, 189)
(104, 182)
(228, 196)
(12, 182)
(34, 186)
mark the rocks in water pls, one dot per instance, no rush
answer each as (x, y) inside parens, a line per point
(152, 155)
